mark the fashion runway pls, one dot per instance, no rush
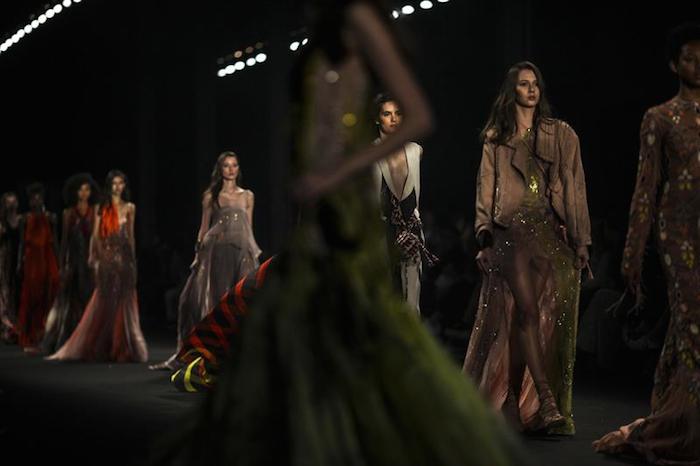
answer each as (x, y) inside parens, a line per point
(87, 413)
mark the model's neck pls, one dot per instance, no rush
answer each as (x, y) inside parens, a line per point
(229, 185)
(524, 118)
(689, 93)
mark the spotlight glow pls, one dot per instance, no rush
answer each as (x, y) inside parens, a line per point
(443, 1)
(261, 57)
(35, 24)
(3, 47)
(305, 41)
(221, 73)
(239, 65)
(67, 3)
(28, 28)
(76, 1)
(50, 13)
(407, 10)
(395, 14)
(294, 46)
(230, 69)
(426, 4)
(58, 8)
(250, 62)
(20, 34)
(41, 19)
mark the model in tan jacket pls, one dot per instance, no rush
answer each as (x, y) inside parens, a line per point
(502, 183)
(533, 230)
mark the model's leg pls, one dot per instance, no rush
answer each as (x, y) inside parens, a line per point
(524, 281)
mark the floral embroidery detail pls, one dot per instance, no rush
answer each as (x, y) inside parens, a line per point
(643, 208)
(687, 254)
(662, 227)
(685, 180)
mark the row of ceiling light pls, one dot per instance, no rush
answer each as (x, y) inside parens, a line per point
(34, 23)
(238, 63)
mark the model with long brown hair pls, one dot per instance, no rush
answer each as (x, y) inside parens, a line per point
(533, 229)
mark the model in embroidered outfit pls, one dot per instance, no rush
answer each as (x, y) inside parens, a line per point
(80, 193)
(38, 268)
(330, 365)
(533, 228)
(110, 329)
(667, 197)
(398, 181)
(226, 250)
(9, 244)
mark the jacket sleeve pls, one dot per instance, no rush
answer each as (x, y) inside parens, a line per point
(643, 206)
(485, 190)
(582, 234)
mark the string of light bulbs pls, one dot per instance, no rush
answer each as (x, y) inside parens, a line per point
(36, 22)
(296, 45)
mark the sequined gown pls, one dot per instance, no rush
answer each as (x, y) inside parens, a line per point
(330, 366)
(9, 242)
(535, 229)
(39, 277)
(76, 283)
(228, 253)
(109, 329)
(667, 199)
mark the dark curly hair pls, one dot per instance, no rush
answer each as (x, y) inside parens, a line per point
(678, 37)
(73, 184)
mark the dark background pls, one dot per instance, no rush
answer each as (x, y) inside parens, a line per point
(133, 85)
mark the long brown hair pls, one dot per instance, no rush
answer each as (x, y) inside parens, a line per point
(217, 176)
(501, 123)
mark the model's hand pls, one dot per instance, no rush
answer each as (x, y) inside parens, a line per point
(582, 257)
(485, 259)
(195, 262)
(633, 282)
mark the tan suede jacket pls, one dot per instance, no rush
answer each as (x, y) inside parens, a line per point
(501, 184)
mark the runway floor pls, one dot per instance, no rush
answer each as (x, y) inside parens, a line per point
(102, 414)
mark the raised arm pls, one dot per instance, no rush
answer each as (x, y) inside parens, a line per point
(643, 206)
(366, 29)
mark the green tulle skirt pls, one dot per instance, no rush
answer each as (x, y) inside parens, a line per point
(331, 368)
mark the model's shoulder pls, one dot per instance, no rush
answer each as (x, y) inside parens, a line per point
(663, 112)
(414, 148)
(560, 127)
